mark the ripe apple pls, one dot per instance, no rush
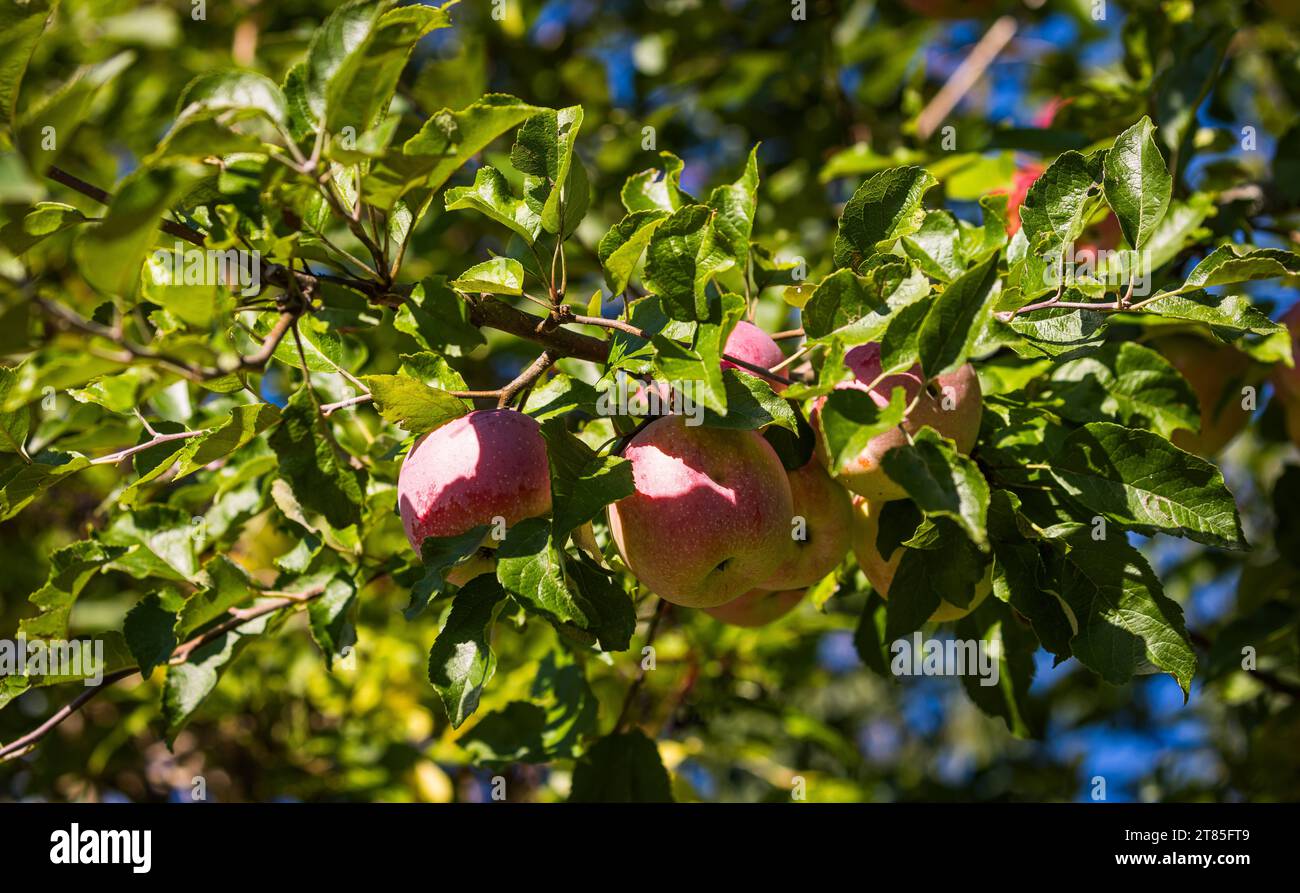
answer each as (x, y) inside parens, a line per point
(1216, 373)
(485, 465)
(827, 514)
(750, 343)
(710, 518)
(955, 414)
(880, 572)
(758, 607)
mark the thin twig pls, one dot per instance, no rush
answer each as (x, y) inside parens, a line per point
(969, 72)
(20, 745)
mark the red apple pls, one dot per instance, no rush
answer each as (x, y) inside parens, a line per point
(710, 518)
(827, 514)
(484, 465)
(955, 414)
(750, 343)
(758, 607)
(880, 571)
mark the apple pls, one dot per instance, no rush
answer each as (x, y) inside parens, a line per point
(955, 415)
(880, 572)
(710, 517)
(758, 607)
(827, 514)
(750, 343)
(1216, 373)
(484, 465)
(1287, 379)
(1020, 183)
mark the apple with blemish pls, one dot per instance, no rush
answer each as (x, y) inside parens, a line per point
(710, 516)
(484, 465)
(880, 571)
(758, 607)
(818, 532)
(954, 413)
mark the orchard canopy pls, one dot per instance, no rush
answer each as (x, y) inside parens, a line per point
(640, 401)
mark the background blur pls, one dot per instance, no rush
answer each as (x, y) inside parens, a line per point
(831, 97)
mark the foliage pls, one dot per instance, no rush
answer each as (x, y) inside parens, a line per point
(192, 468)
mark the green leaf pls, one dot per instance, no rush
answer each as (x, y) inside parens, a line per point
(683, 255)
(14, 424)
(498, 276)
(412, 404)
(860, 306)
(1230, 318)
(246, 422)
(700, 365)
(620, 249)
(22, 482)
(936, 247)
(21, 26)
(1055, 208)
(439, 555)
(1230, 264)
(1140, 480)
(942, 482)
(850, 419)
(445, 142)
(166, 542)
(149, 629)
(549, 727)
(225, 585)
(621, 768)
(71, 568)
(44, 220)
(1124, 623)
(751, 404)
(869, 636)
(884, 208)
(648, 191)
(543, 152)
(1127, 383)
(583, 482)
(735, 206)
(1020, 576)
(1012, 645)
(461, 661)
(188, 684)
(437, 319)
(331, 617)
(952, 324)
(560, 396)
(490, 195)
(531, 567)
(111, 253)
(1137, 184)
(332, 46)
(241, 93)
(360, 87)
(321, 480)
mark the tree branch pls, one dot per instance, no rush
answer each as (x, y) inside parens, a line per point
(19, 746)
